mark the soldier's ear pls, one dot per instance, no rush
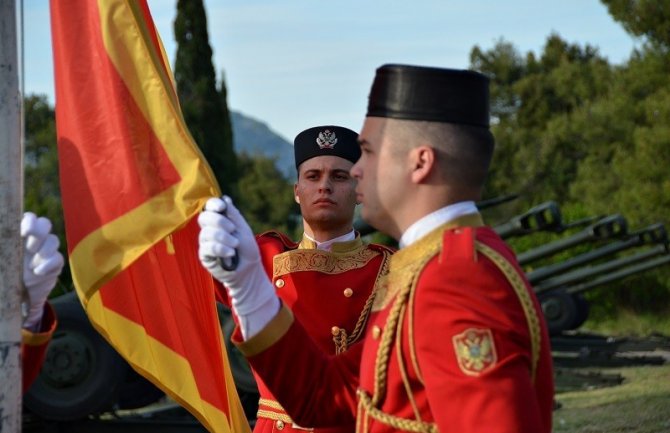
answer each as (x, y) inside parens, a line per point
(297, 199)
(422, 159)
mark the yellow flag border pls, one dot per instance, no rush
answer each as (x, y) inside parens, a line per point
(143, 72)
(146, 350)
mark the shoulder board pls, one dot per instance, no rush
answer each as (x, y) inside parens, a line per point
(282, 241)
(459, 243)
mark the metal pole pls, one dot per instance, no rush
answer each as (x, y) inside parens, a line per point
(11, 194)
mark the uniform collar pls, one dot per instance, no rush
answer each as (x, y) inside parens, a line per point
(340, 244)
(431, 242)
(435, 219)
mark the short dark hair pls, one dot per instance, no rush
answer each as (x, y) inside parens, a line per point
(464, 152)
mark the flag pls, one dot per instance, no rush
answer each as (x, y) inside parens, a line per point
(132, 183)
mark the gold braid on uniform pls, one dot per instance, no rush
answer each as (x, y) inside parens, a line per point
(367, 405)
(393, 421)
(340, 338)
(525, 299)
(401, 360)
(428, 247)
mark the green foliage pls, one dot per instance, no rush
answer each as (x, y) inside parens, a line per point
(631, 125)
(648, 18)
(203, 107)
(533, 102)
(593, 137)
(266, 196)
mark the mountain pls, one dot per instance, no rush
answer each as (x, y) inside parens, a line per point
(254, 137)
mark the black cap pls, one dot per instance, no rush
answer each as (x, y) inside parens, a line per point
(433, 94)
(326, 140)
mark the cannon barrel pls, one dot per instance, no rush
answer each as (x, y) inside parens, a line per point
(585, 273)
(653, 234)
(582, 222)
(613, 226)
(543, 217)
(622, 273)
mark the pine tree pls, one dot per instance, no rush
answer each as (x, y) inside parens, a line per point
(201, 104)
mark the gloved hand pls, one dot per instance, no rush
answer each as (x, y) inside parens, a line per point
(223, 230)
(42, 264)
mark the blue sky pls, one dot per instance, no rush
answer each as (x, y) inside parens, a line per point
(299, 63)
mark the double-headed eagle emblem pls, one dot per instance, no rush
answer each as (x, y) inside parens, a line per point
(326, 139)
(475, 351)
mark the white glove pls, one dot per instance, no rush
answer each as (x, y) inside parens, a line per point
(224, 231)
(42, 264)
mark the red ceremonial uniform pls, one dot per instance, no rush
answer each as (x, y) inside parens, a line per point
(34, 346)
(331, 293)
(456, 343)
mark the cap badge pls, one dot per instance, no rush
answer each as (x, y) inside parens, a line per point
(475, 351)
(326, 139)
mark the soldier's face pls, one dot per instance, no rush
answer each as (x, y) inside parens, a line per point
(382, 177)
(325, 192)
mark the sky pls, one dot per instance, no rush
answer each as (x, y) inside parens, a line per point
(295, 64)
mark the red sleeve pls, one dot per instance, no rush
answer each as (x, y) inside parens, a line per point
(314, 388)
(34, 347)
(472, 348)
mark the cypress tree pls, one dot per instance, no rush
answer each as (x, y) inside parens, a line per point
(205, 115)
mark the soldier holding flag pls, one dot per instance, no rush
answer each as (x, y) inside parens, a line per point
(456, 341)
(329, 279)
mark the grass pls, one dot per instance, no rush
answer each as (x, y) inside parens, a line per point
(624, 322)
(627, 323)
(641, 404)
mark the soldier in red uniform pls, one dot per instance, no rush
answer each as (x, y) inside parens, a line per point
(456, 341)
(329, 279)
(42, 263)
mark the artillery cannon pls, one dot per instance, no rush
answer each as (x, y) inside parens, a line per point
(560, 292)
(83, 375)
(613, 226)
(543, 217)
(653, 234)
(582, 274)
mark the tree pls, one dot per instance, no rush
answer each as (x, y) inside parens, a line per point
(534, 101)
(268, 196)
(201, 103)
(648, 18)
(226, 118)
(633, 121)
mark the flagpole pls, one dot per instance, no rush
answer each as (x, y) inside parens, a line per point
(11, 194)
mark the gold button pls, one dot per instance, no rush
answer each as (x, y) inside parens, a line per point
(348, 292)
(335, 330)
(376, 332)
(280, 425)
(279, 283)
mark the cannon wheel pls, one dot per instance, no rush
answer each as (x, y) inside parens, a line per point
(583, 309)
(82, 374)
(560, 310)
(136, 391)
